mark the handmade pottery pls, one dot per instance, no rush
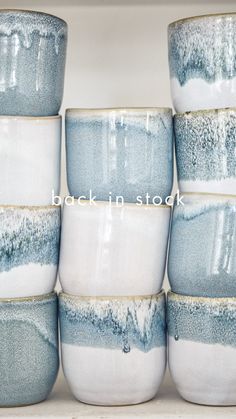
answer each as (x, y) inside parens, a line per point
(29, 250)
(107, 249)
(203, 246)
(202, 61)
(33, 50)
(206, 151)
(29, 349)
(202, 348)
(113, 349)
(30, 159)
(120, 152)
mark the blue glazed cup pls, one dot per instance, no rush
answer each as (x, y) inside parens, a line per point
(206, 151)
(32, 55)
(29, 349)
(202, 348)
(120, 152)
(202, 247)
(113, 348)
(202, 62)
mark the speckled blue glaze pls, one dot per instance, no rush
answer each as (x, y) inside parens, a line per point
(206, 145)
(123, 323)
(29, 235)
(32, 56)
(203, 246)
(126, 152)
(205, 320)
(203, 48)
(29, 349)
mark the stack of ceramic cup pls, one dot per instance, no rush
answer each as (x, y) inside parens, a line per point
(113, 253)
(32, 52)
(202, 256)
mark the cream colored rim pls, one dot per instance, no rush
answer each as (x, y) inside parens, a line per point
(204, 194)
(30, 207)
(205, 111)
(114, 204)
(102, 110)
(180, 297)
(31, 12)
(112, 297)
(190, 18)
(33, 298)
(36, 118)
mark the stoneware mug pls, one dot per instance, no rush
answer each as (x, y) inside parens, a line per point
(206, 151)
(29, 250)
(29, 349)
(202, 348)
(113, 348)
(202, 61)
(111, 249)
(30, 158)
(33, 51)
(120, 152)
(203, 246)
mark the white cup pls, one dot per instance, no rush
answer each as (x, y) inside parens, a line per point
(107, 249)
(30, 154)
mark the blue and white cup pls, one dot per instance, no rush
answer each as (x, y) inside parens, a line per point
(29, 250)
(202, 62)
(206, 151)
(113, 348)
(202, 247)
(202, 348)
(29, 349)
(120, 152)
(33, 52)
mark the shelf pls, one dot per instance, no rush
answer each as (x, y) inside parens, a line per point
(168, 405)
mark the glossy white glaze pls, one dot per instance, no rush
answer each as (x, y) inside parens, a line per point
(111, 250)
(30, 151)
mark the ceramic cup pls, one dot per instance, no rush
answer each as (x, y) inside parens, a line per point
(30, 158)
(202, 248)
(29, 349)
(202, 348)
(206, 151)
(33, 50)
(108, 249)
(29, 250)
(119, 152)
(113, 349)
(202, 62)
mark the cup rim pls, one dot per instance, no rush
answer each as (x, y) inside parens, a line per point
(211, 194)
(205, 111)
(30, 298)
(29, 117)
(191, 298)
(28, 11)
(112, 204)
(29, 207)
(65, 295)
(74, 111)
(192, 18)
